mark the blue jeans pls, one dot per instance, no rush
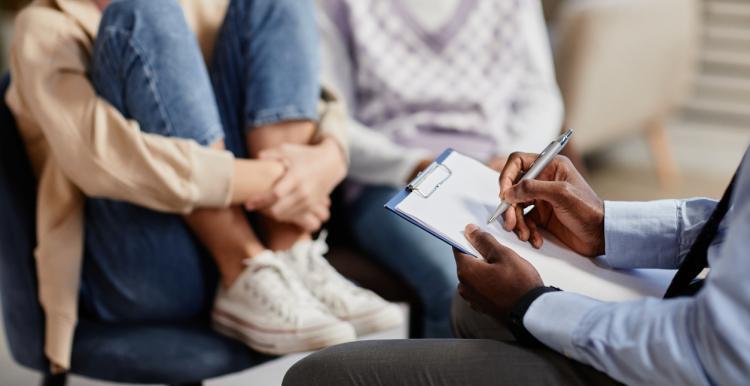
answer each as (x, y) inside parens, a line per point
(142, 265)
(424, 262)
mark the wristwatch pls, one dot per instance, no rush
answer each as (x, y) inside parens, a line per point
(515, 319)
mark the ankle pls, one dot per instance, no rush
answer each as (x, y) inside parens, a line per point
(232, 267)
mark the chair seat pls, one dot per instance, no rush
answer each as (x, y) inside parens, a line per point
(153, 353)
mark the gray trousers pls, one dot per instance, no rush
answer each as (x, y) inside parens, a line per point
(486, 354)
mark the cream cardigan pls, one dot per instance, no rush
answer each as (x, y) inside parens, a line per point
(80, 145)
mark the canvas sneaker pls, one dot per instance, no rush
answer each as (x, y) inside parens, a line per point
(365, 310)
(272, 312)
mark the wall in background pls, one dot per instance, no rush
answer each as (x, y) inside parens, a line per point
(722, 88)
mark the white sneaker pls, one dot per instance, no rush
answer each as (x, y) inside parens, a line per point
(365, 310)
(271, 311)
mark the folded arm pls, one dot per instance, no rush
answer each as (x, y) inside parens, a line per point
(106, 155)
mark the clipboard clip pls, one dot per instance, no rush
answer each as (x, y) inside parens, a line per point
(417, 185)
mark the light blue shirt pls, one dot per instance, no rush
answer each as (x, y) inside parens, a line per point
(701, 340)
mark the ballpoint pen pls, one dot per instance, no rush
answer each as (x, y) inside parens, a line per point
(547, 155)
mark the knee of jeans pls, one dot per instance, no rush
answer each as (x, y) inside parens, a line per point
(146, 15)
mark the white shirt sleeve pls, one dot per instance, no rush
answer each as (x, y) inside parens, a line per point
(375, 158)
(538, 115)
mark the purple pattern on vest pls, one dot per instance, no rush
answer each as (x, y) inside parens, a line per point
(452, 87)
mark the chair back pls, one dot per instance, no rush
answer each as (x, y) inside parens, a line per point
(623, 65)
(22, 313)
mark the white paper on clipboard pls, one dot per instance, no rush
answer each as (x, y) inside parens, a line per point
(469, 194)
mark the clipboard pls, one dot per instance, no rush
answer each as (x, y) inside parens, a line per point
(422, 185)
(456, 190)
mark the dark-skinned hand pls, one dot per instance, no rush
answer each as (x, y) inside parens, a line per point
(564, 204)
(493, 285)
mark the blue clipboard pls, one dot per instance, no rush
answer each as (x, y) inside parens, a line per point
(414, 188)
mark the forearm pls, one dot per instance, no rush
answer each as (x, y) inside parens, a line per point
(269, 136)
(642, 342)
(253, 178)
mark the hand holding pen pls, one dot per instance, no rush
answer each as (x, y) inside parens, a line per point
(536, 167)
(564, 204)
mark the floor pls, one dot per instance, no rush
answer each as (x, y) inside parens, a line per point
(707, 158)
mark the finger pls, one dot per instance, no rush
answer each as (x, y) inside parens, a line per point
(321, 212)
(286, 185)
(463, 261)
(476, 301)
(286, 207)
(522, 230)
(308, 222)
(263, 201)
(514, 168)
(509, 219)
(554, 192)
(535, 237)
(485, 244)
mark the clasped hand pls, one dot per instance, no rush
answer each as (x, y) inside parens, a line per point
(302, 195)
(564, 204)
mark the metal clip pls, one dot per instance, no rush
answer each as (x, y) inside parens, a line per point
(415, 186)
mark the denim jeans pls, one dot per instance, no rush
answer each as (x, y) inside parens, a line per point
(423, 261)
(142, 265)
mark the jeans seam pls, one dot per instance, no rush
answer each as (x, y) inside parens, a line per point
(149, 74)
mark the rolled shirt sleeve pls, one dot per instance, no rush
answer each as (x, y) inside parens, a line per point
(656, 234)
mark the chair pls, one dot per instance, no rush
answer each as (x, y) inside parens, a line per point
(624, 66)
(174, 354)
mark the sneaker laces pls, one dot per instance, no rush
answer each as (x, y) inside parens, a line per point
(330, 284)
(278, 290)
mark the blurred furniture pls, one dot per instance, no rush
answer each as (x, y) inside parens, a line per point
(722, 89)
(623, 67)
(184, 354)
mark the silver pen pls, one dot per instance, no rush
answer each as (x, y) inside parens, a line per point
(545, 157)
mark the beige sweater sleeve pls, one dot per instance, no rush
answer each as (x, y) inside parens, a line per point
(104, 154)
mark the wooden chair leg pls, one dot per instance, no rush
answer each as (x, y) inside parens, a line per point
(55, 380)
(664, 162)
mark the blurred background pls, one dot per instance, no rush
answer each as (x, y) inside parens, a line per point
(658, 91)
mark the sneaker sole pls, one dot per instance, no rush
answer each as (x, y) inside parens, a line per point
(282, 342)
(376, 320)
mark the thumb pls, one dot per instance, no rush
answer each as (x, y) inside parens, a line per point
(531, 190)
(485, 243)
(262, 201)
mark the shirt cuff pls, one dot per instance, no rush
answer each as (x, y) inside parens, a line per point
(641, 234)
(553, 318)
(213, 174)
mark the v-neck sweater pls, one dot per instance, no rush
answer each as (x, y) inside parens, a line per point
(482, 82)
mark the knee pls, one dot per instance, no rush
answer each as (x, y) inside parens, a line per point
(143, 15)
(307, 371)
